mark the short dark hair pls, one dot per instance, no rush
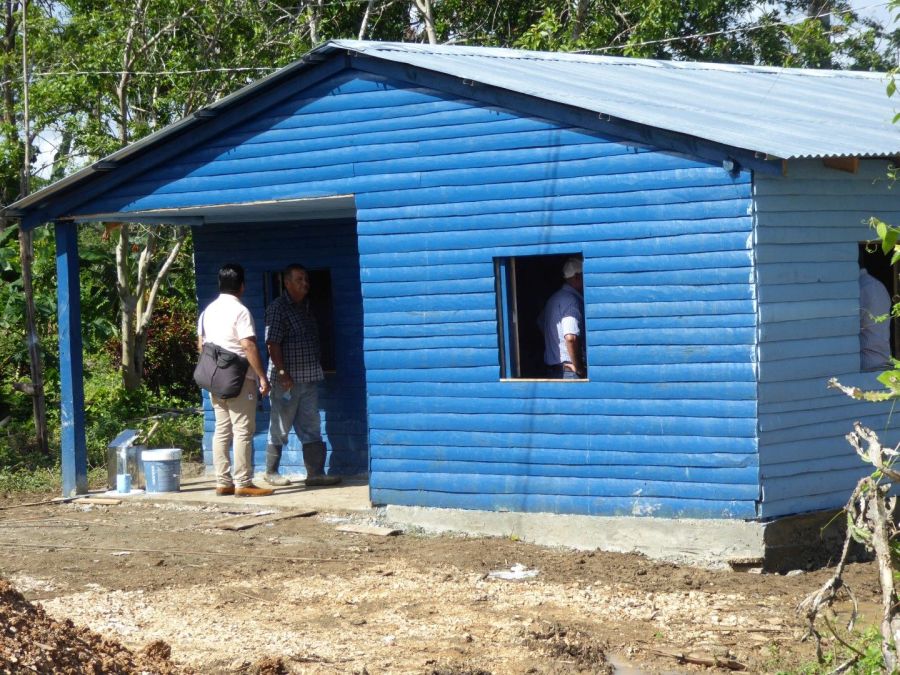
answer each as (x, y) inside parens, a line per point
(292, 268)
(231, 278)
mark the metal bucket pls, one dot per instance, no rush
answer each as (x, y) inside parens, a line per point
(134, 465)
(162, 469)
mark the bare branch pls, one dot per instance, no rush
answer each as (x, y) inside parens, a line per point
(364, 24)
(157, 282)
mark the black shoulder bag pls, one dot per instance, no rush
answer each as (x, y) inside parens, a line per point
(219, 371)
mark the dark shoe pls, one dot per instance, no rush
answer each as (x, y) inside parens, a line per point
(225, 491)
(317, 481)
(252, 491)
(314, 453)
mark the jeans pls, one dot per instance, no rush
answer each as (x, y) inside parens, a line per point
(558, 372)
(235, 420)
(301, 413)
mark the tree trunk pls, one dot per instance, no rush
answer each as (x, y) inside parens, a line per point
(424, 7)
(364, 24)
(136, 307)
(581, 10)
(61, 156)
(38, 400)
(315, 13)
(26, 255)
(881, 543)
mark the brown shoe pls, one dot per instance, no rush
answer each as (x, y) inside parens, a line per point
(252, 491)
(225, 491)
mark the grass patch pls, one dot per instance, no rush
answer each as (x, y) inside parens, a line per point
(44, 480)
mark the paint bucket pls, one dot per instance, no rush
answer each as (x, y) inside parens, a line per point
(162, 469)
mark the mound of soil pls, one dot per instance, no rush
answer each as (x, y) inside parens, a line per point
(31, 641)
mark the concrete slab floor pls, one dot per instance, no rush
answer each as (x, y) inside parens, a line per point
(351, 495)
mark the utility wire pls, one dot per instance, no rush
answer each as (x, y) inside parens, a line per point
(728, 31)
(264, 69)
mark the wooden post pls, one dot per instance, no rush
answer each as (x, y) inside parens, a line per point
(71, 370)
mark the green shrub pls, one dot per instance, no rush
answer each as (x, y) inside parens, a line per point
(109, 409)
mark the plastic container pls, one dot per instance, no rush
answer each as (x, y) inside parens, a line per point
(123, 483)
(133, 465)
(162, 469)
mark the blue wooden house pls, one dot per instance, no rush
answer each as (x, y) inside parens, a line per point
(434, 192)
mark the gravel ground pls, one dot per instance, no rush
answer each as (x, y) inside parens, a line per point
(296, 595)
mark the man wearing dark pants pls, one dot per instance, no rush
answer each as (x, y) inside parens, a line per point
(292, 338)
(562, 322)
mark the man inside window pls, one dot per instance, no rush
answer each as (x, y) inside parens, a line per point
(562, 322)
(874, 334)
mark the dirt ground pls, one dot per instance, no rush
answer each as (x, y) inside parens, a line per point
(299, 596)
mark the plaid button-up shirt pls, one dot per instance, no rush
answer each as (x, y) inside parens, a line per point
(293, 326)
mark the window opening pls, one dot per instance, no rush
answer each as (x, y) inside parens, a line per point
(878, 265)
(523, 285)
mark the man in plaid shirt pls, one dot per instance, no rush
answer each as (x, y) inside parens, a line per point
(292, 338)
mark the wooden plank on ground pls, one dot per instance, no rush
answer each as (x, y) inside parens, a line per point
(99, 501)
(368, 529)
(251, 520)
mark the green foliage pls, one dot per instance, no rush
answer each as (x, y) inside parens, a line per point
(110, 408)
(731, 31)
(866, 647)
(172, 351)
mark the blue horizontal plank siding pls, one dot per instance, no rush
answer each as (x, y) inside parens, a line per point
(642, 456)
(561, 405)
(574, 424)
(592, 487)
(809, 224)
(594, 506)
(604, 393)
(443, 187)
(596, 441)
(723, 476)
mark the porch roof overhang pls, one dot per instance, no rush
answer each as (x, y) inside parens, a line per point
(316, 208)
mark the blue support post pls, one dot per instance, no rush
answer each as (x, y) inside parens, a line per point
(71, 370)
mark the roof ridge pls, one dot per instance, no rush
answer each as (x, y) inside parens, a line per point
(585, 58)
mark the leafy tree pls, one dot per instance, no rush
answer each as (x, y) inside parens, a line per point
(729, 31)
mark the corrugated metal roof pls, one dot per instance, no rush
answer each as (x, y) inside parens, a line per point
(782, 112)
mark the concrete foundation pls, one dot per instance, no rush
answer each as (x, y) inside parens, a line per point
(796, 542)
(709, 543)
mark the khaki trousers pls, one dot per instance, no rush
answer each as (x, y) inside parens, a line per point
(235, 420)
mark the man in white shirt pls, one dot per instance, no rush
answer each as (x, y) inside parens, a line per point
(874, 336)
(227, 323)
(562, 323)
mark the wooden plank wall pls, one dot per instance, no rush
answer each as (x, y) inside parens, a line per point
(443, 185)
(263, 248)
(667, 424)
(809, 225)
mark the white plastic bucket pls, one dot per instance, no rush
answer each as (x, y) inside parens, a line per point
(162, 469)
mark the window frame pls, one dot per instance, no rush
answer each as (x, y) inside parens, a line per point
(509, 316)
